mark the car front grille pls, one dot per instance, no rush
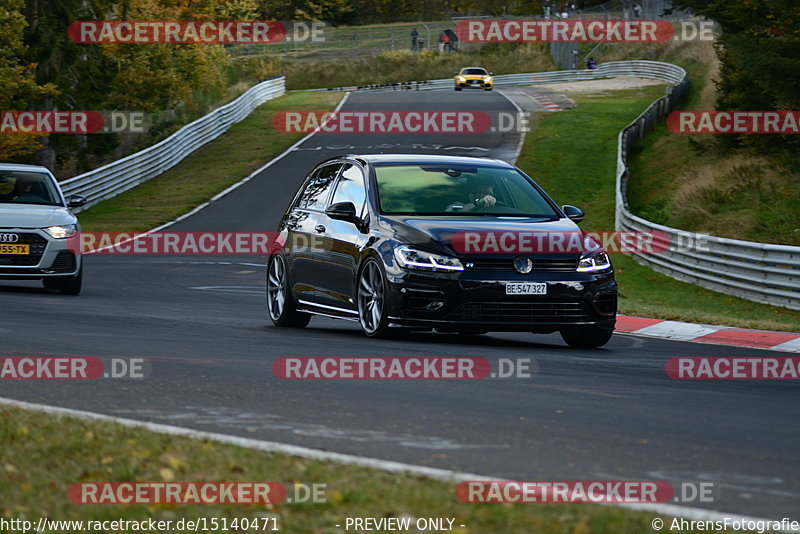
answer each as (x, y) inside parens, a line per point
(520, 312)
(37, 245)
(507, 264)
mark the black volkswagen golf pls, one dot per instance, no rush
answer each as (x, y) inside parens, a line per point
(437, 242)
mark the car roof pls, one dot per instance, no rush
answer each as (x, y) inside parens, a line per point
(426, 159)
(473, 68)
(21, 167)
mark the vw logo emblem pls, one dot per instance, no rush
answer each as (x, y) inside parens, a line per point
(9, 238)
(523, 265)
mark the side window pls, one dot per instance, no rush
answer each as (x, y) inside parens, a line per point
(316, 192)
(351, 188)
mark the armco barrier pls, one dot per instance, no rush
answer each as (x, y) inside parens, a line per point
(754, 271)
(128, 172)
(645, 69)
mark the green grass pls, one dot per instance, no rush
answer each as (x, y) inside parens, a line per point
(572, 154)
(38, 471)
(696, 182)
(244, 148)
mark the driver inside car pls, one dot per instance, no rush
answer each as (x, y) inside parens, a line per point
(481, 196)
(22, 188)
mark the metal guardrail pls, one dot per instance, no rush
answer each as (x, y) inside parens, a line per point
(759, 272)
(645, 69)
(128, 172)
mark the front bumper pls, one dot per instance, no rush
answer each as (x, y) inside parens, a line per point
(477, 300)
(474, 84)
(48, 256)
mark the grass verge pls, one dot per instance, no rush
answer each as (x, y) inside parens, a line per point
(219, 164)
(702, 183)
(576, 164)
(38, 471)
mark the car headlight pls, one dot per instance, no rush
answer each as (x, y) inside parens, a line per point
(596, 262)
(460, 79)
(62, 232)
(412, 258)
(488, 79)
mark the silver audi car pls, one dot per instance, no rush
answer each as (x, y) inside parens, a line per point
(38, 232)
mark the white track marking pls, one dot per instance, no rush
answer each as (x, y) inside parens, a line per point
(522, 135)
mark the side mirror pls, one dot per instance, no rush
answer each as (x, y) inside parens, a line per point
(573, 213)
(491, 73)
(343, 211)
(76, 201)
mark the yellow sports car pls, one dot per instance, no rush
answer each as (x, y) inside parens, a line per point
(474, 78)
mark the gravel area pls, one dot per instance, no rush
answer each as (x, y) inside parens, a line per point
(594, 86)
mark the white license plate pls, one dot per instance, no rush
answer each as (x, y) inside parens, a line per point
(526, 288)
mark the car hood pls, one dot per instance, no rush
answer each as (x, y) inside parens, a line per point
(474, 76)
(438, 232)
(33, 216)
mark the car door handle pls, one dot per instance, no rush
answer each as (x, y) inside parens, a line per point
(319, 228)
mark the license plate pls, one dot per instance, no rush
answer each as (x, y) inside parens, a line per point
(525, 288)
(15, 249)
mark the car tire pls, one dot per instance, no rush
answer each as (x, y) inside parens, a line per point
(487, 88)
(66, 285)
(371, 296)
(586, 337)
(281, 305)
(458, 88)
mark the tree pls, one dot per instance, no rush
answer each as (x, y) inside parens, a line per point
(19, 85)
(759, 52)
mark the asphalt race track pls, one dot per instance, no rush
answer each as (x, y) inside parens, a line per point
(201, 322)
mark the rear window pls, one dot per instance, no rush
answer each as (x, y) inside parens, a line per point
(19, 187)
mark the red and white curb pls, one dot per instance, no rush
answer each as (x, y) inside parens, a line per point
(545, 102)
(705, 333)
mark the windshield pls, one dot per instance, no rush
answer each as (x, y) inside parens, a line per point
(459, 189)
(18, 187)
(479, 72)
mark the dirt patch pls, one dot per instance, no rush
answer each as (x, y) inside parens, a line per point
(597, 86)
